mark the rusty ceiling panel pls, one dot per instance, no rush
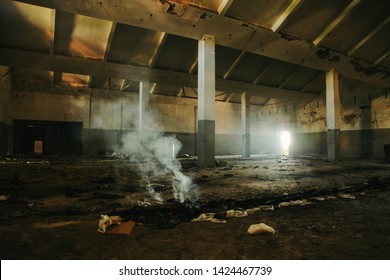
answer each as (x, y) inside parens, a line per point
(258, 12)
(133, 45)
(25, 26)
(312, 17)
(364, 18)
(82, 36)
(177, 53)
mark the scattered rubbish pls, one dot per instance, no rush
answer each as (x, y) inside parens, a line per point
(236, 213)
(259, 229)
(267, 208)
(122, 228)
(252, 210)
(346, 196)
(208, 217)
(302, 202)
(106, 221)
(3, 197)
(323, 198)
(255, 166)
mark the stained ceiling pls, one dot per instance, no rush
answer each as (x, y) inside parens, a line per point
(277, 50)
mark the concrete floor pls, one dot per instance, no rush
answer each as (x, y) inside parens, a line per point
(51, 207)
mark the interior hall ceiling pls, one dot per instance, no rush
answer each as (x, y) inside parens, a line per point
(276, 50)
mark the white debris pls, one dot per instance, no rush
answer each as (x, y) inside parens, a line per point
(105, 221)
(208, 217)
(236, 213)
(260, 228)
(266, 207)
(323, 198)
(346, 196)
(251, 211)
(3, 197)
(302, 202)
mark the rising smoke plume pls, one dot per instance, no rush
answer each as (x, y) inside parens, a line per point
(156, 157)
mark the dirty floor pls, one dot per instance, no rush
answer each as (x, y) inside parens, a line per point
(51, 207)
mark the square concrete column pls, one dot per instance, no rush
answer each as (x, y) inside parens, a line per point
(206, 102)
(333, 104)
(246, 124)
(144, 88)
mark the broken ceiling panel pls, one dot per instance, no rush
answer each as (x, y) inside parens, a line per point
(25, 26)
(312, 17)
(177, 53)
(83, 36)
(74, 80)
(133, 45)
(258, 12)
(362, 20)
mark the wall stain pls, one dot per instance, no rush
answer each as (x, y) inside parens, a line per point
(351, 119)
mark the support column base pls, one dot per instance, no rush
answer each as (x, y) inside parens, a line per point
(333, 144)
(206, 143)
(246, 145)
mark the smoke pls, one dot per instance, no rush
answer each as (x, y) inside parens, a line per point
(156, 157)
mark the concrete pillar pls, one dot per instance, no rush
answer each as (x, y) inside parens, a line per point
(206, 102)
(333, 104)
(246, 124)
(144, 88)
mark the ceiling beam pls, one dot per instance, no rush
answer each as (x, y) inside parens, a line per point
(283, 17)
(157, 49)
(382, 57)
(335, 22)
(234, 64)
(224, 7)
(52, 30)
(153, 88)
(193, 66)
(228, 32)
(288, 78)
(368, 36)
(76, 65)
(229, 97)
(315, 76)
(265, 69)
(109, 41)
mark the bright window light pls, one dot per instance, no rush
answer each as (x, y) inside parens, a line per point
(285, 140)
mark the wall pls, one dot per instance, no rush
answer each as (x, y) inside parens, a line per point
(5, 111)
(108, 116)
(364, 122)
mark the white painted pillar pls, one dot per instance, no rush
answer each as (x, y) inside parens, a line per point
(246, 123)
(206, 102)
(144, 88)
(333, 105)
